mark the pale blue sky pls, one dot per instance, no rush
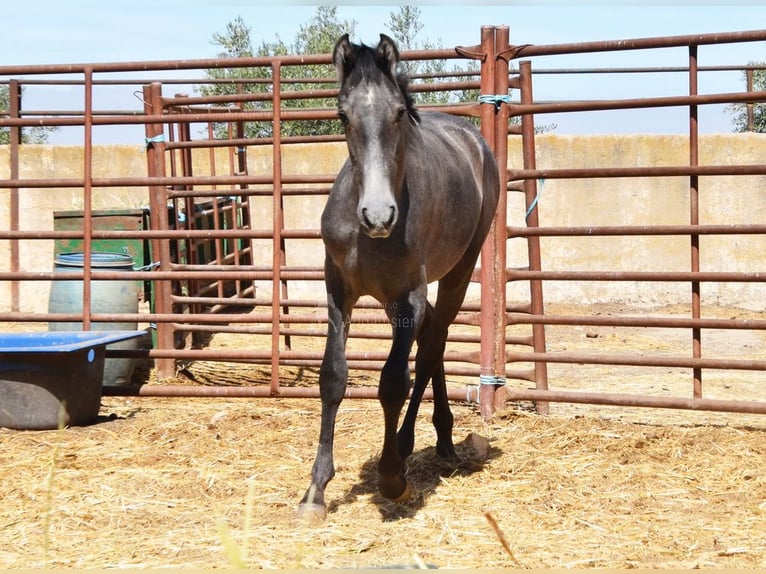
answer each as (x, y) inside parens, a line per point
(77, 31)
(43, 32)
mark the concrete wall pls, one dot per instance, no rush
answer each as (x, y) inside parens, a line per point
(638, 201)
(650, 201)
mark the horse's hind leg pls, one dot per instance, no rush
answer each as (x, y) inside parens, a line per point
(406, 434)
(443, 420)
(431, 346)
(429, 365)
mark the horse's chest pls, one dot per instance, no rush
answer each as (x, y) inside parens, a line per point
(373, 265)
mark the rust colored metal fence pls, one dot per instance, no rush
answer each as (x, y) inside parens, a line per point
(530, 176)
(228, 256)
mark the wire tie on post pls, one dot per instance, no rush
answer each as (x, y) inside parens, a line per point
(150, 267)
(533, 205)
(492, 380)
(153, 140)
(495, 99)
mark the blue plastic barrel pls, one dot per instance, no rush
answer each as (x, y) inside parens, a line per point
(105, 297)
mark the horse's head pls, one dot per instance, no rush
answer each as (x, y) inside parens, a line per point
(377, 112)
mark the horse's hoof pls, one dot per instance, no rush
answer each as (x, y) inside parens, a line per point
(310, 514)
(404, 496)
(446, 452)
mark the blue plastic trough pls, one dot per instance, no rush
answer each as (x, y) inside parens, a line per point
(53, 379)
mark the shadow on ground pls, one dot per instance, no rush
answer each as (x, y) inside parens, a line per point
(425, 469)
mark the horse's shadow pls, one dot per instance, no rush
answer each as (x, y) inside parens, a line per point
(426, 470)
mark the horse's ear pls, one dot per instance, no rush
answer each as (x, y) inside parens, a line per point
(388, 55)
(342, 57)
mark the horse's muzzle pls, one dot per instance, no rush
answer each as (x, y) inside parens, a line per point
(376, 226)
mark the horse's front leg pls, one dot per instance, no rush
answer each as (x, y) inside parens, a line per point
(333, 377)
(406, 317)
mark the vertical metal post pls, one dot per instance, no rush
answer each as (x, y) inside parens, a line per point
(191, 244)
(87, 240)
(14, 96)
(533, 242)
(694, 218)
(487, 315)
(500, 231)
(158, 216)
(242, 207)
(244, 200)
(278, 255)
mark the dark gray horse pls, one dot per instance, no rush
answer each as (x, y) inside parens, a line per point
(412, 205)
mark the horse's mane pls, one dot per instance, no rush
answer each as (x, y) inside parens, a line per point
(367, 63)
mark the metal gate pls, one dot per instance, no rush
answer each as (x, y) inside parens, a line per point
(214, 246)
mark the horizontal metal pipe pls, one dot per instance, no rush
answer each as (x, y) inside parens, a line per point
(132, 81)
(243, 191)
(285, 356)
(634, 360)
(175, 181)
(624, 321)
(265, 329)
(246, 142)
(516, 174)
(214, 321)
(187, 118)
(225, 301)
(644, 69)
(450, 369)
(658, 276)
(529, 50)
(628, 400)
(211, 318)
(313, 94)
(218, 116)
(649, 171)
(635, 230)
(469, 394)
(635, 103)
(166, 234)
(221, 272)
(249, 318)
(191, 64)
(215, 273)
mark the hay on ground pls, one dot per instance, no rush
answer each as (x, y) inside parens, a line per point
(174, 482)
(215, 483)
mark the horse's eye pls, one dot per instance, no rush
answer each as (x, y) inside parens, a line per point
(400, 114)
(343, 117)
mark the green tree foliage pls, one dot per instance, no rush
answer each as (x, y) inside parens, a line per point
(31, 135)
(404, 27)
(318, 36)
(739, 113)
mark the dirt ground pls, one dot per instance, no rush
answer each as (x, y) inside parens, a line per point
(208, 483)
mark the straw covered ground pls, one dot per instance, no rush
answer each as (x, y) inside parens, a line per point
(213, 483)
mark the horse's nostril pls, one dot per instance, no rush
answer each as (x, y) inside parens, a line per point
(391, 217)
(365, 219)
